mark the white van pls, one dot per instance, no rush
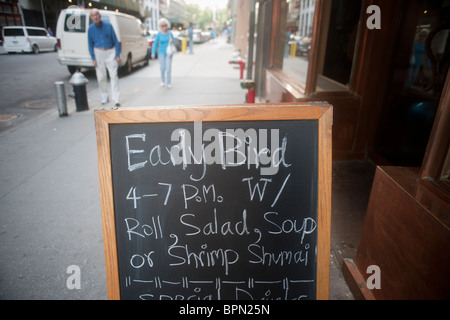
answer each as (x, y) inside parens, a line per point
(27, 39)
(72, 30)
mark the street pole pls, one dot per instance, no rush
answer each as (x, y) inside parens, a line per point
(251, 40)
(43, 14)
(61, 98)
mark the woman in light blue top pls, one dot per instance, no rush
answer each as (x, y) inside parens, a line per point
(162, 41)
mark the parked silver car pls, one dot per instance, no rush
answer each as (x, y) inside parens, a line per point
(27, 39)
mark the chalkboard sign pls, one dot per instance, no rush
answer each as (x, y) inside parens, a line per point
(216, 202)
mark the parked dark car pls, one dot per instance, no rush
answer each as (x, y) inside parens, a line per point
(303, 45)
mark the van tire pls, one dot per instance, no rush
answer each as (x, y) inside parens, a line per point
(72, 69)
(35, 49)
(147, 58)
(128, 65)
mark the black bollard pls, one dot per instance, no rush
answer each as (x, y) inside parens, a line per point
(79, 82)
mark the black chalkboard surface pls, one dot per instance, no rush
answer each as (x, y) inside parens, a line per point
(216, 232)
(209, 210)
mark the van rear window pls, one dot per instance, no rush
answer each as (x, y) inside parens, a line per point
(13, 32)
(75, 23)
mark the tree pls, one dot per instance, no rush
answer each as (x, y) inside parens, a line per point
(204, 18)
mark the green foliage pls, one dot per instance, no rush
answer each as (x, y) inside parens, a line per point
(202, 19)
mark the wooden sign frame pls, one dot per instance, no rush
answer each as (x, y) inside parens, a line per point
(256, 112)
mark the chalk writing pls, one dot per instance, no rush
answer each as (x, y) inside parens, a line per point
(216, 210)
(228, 149)
(281, 289)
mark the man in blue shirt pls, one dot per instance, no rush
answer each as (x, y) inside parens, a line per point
(104, 49)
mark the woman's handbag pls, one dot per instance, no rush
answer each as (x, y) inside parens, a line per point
(170, 48)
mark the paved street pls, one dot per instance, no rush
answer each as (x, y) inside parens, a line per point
(27, 85)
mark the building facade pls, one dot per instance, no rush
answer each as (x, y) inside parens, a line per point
(9, 13)
(45, 13)
(306, 17)
(174, 11)
(151, 8)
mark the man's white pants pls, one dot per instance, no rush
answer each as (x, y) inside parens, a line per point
(106, 59)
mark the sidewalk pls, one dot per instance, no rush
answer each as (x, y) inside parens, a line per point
(205, 77)
(50, 216)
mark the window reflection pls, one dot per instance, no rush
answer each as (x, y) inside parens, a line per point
(298, 27)
(334, 60)
(418, 76)
(428, 62)
(340, 45)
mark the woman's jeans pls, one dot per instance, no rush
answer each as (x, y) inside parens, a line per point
(165, 62)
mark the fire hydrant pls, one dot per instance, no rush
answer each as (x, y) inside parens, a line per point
(241, 65)
(79, 81)
(250, 85)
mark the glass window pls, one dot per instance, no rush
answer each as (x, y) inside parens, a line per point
(36, 32)
(334, 56)
(7, 8)
(13, 32)
(418, 77)
(296, 30)
(75, 23)
(340, 46)
(11, 21)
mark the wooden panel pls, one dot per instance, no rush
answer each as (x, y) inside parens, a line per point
(281, 87)
(318, 45)
(107, 205)
(252, 112)
(402, 237)
(356, 281)
(324, 225)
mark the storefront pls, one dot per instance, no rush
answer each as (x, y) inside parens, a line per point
(383, 65)
(383, 85)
